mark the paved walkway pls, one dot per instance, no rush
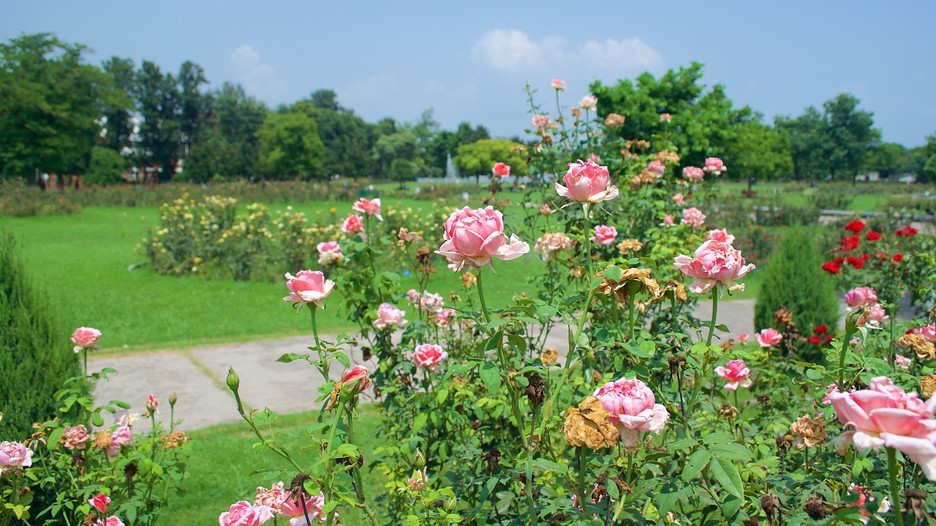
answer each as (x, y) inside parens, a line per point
(197, 375)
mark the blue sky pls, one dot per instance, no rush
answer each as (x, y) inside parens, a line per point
(470, 60)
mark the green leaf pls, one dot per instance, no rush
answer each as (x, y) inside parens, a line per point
(679, 445)
(726, 473)
(517, 341)
(343, 358)
(696, 464)
(698, 348)
(54, 437)
(441, 395)
(731, 451)
(613, 273)
(667, 498)
(490, 375)
(420, 421)
(721, 327)
(731, 506)
(97, 420)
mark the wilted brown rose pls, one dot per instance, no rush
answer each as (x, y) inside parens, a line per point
(919, 344)
(549, 356)
(809, 432)
(676, 289)
(666, 156)
(629, 245)
(588, 425)
(101, 441)
(928, 385)
(175, 439)
(468, 280)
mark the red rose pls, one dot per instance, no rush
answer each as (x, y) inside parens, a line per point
(831, 267)
(873, 236)
(815, 340)
(898, 257)
(821, 329)
(855, 226)
(850, 243)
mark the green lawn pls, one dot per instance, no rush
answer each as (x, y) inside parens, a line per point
(225, 467)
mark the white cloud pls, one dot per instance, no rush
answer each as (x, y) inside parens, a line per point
(257, 78)
(512, 50)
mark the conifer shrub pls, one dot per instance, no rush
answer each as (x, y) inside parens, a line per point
(35, 353)
(794, 279)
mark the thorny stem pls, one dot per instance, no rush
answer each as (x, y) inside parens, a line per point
(896, 498)
(711, 330)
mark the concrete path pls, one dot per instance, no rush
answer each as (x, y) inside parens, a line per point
(197, 375)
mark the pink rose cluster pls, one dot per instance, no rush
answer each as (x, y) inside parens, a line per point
(679, 199)
(604, 235)
(280, 502)
(389, 316)
(368, 207)
(886, 415)
(474, 237)
(429, 356)
(714, 165)
(927, 331)
(736, 373)
(587, 182)
(501, 170)
(633, 409)
(693, 217)
(693, 173)
(550, 244)
(866, 299)
(329, 253)
(85, 338)
(242, 513)
(308, 286)
(14, 455)
(768, 337)
(433, 305)
(715, 264)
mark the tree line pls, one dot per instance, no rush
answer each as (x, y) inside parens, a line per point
(60, 114)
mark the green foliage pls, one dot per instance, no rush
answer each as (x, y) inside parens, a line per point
(290, 147)
(479, 157)
(348, 139)
(35, 355)
(794, 279)
(759, 152)
(107, 167)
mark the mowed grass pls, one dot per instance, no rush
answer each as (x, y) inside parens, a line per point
(224, 466)
(82, 261)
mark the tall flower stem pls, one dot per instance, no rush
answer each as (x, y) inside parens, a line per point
(580, 488)
(711, 329)
(502, 356)
(896, 497)
(484, 309)
(315, 337)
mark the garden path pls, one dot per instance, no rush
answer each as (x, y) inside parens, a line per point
(197, 375)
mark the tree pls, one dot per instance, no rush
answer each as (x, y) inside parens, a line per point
(107, 167)
(808, 148)
(398, 145)
(50, 105)
(325, 99)
(479, 157)
(348, 140)
(849, 134)
(759, 152)
(447, 142)
(290, 147)
(928, 173)
(193, 104)
(226, 146)
(888, 159)
(117, 112)
(160, 132)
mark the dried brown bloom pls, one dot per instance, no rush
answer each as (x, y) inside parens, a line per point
(771, 505)
(422, 256)
(675, 363)
(175, 439)
(638, 144)
(629, 245)
(928, 385)
(632, 282)
(815, 508)
(588, 425)
(536, 389)
(130, 470)
(645, 177)
(667, 157)
(918, 343)
(468, 279)
(728, 411)
(626, 154)
(549, 356)
(101, 440)
(614, 120)
(809, 432)
(492, 458)
(576, 272)
(576, 112)
(676, 289)
(784, 319)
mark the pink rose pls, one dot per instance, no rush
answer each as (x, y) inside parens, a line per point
(291, 507)
(110, 521)
(444, 316)
(693, 216)
(714, 264)
(744, 337)
(540, 121)
(272, 498)
(243, 514)
(679, 199)
(100, 502)
(633, 409)
(427, 301)
(389, 316)
(656, 168)
(357, 373)
(587, 182)
(665, 117)
(715, 165)
(308, 287)
(417, 480)
(877, 314)
(768, 337)
(75, 437)
(722, 236)
(85, 338)
(558, 84)
(860, 297)
(120, 437)
(476, 236)
(352, 224)
(14, 455)
(669, 220)
(736, 373)
(429, 356)
(902, 361)
(329, 253)
(589, 102)
(604, 235)
(501, 170)
(152, 403)
(929, 332)
(368, 207)
(693, 173)
(551, 243)
(886, 415)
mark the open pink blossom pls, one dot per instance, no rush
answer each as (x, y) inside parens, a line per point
(473, 237)
(291, 507)
(715, 166)
(551, 244)
(860, 297)
(540, 121)
(368, 207)
(768, 337)
(721, 235)
(694, 217)
(587, 182)
(665, 117)
(656, 168)
(669, 220)
(389, 316)
(352, 224)
(589, 102)
(886, 415)
(444, 316)
(113, 520)
(244, 514)
(75, 437)
(100, 502)
(501, 170)
(329, 253)
(736, 373)
(85, 338)
(272, 498)
(693, 173)
(633, 409)
(604, 235)
(744, 337)
(119, 438)
(877, 314)
(679, 199)
(359, 373)
(714, 264)
(558, 84)
(14, 455)
(308, 287)
(429, 356)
